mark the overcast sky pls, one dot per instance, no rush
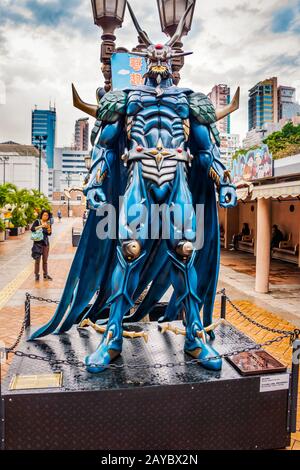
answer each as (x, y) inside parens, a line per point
(45, 45)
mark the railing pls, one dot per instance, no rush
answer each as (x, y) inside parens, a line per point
(293, 336)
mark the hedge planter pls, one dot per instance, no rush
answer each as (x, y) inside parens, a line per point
(2, 236)
(15, 232)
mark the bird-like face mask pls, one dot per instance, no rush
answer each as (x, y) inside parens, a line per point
(159, 56)
(159, 62)
(159, 66)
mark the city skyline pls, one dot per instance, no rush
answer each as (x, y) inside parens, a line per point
(44, 125)
(30, 76)
(220, 96)
(81, 136)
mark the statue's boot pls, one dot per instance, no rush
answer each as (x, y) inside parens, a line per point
(196, 341)
(124, 282)
(184, 280)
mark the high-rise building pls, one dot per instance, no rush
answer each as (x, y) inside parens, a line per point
(287, 105)
(82, 134)
(230, 143)
(73, 161)
(270, 108)
(44, 123)
(69, 167)
(263, 104)
(22, 167)
(220, 97)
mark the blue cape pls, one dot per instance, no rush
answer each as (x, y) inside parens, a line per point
(95, 259)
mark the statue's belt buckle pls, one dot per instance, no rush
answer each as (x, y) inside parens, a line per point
(179, 155)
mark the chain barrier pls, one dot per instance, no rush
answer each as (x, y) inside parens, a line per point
(42, 299)
(169, 365)
(23, 326)
(283, 335)
(294, 334)
(11, 349)
(58, 363)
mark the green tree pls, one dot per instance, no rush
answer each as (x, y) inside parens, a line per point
(34, 202)
(243, 152)
(27, 204)
(285, 142)
(6, 193)
(281, 144)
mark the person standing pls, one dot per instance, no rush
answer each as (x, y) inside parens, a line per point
(59, 215)
(84, 217)
(41, 230)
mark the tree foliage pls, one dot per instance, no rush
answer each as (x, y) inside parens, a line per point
(26, 204)
(243, 151)
(281, 144)
(285, 142)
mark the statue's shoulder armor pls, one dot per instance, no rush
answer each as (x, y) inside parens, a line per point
(135, 102)
(112, 105)
(202, 108)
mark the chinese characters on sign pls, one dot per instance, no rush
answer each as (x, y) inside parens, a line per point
(127, 70)
(136, 63)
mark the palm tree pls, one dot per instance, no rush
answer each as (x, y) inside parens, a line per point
(6, 194)
(26, 203)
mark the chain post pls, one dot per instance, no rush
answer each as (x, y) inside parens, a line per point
(2, 403)
(223, 304)
(294, 385)
(1, 408)
(27, 312)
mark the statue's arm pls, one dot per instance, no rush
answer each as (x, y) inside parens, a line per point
(109, 125)
(209, 157)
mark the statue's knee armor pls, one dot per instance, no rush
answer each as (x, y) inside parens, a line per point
(131, 249)
(185, 249)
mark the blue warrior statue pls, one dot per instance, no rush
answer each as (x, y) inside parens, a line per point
(154, 144)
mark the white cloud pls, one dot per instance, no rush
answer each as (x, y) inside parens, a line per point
(233, 45)
(124, 72)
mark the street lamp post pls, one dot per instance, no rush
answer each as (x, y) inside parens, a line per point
(4, 160)
(68, 180)
(262, 131)
(88, 161)
(109, 15)
(41, 144)
(170, 13)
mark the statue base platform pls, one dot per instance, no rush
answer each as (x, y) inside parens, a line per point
(173, 407)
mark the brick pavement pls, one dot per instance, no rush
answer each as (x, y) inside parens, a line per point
(282, 351)
(238, 273)
(12, 306)
(13, 294)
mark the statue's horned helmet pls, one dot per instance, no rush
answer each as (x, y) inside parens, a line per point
(160, 56)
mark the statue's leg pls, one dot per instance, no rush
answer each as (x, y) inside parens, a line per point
(125, 278)
(184, 281)
(184, 277)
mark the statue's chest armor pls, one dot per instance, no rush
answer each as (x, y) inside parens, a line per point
(157, 125)
(150, 117)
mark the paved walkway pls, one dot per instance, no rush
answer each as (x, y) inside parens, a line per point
(17, 278)
(238, 270)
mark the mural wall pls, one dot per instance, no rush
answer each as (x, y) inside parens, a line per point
(256, 164)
